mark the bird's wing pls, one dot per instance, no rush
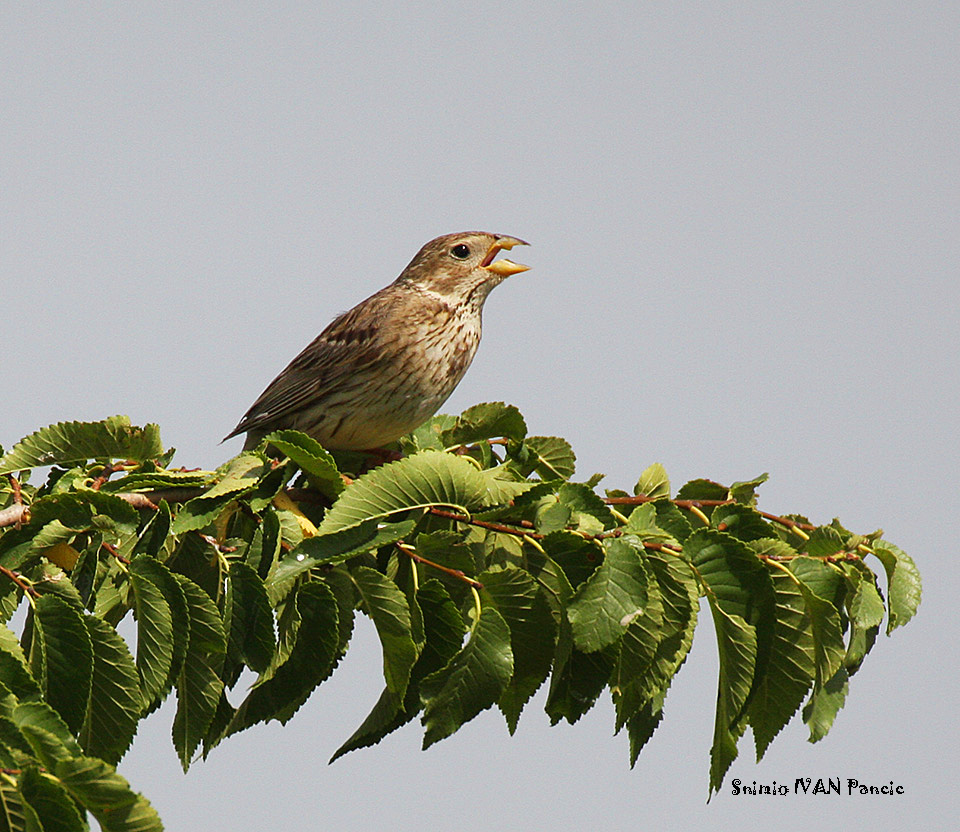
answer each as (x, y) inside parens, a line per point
(351, 343)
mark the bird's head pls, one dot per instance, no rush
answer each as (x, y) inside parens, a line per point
(463, 267)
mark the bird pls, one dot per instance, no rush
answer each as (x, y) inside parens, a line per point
(383, 368)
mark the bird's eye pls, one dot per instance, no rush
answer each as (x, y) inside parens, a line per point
(460, 251)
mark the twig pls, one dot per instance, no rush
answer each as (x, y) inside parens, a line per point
(691, 505)
(411, 553)
(113, 551)
(11, 515)
(18, 580)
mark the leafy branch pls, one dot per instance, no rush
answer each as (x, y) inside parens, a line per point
(485, 568)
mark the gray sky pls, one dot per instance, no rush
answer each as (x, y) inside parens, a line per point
(745, 247)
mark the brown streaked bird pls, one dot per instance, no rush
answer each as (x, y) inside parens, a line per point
(385, 367)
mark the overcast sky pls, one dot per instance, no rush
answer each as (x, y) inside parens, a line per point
(744, 228)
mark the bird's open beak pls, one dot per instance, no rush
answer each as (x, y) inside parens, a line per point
(504, 268)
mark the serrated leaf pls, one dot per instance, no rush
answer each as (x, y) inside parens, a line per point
(46, 732)
(903, 583)
(653, 482)
(15, 814)
(311, 457)
(520, 601)
(249, 618)
(443, 626)
(334, 548)
(198, 685)
(825, 703)
(635, 679)
(115, 698)
(13, 667)
(62, 657)
(485, 421)
(154, 635)
(310, 661)
(828, 646)
(578, 678)
(605, 604)
(740, 584)
(702, 489)
(149, 480)
(741, 521)
(107, 795)
(238, 477)
(737, 650)
(576, 556)
(387, 606)
(429, 478)
(672, 520)
(173, 594)
(746, 492)
(53, 805)
(823, 541)
(679, 604)
(471, 681)
(791, 669)
(65, 442)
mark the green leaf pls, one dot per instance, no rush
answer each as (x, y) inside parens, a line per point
(46, 732)
(149, 480)
(311, 457)
(198, 685)
(554, 458)
(746, 492)
(115, 698)
(485, 421)
(737, 650)
(429, 478)
(62, 657)
(532, 634)
(672, 520)
(703, 490)
(65, 442)
(743, 522)
(823, 542)
(153, 536)
(154, 634)
(654, 482)
(15, 814)
(825, 703)
(333, 548)
(388, 608)
(828, 646)
(249, 618)
(642, 688)
(444, 629)
(265, 547)
(471, 681)
(635, 678)
(239, 476)
(740, 584)
(577, 556)
(578, 678)
(788, 677)
(613, 596)
(310, 662)
(866, 609)
(107, 795)
(13, 667)
(903, 583)
(53, 805)
(149, 569)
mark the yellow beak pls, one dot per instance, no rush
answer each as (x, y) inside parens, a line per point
(504, 268)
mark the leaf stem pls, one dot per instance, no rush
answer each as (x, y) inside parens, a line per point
(410, 552)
